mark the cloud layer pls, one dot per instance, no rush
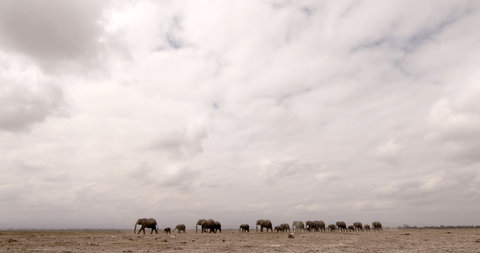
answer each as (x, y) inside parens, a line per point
(181, 110)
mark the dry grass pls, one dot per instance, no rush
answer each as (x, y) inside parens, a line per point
(425, 240)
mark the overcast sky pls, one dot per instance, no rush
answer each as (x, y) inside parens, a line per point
(239, 110)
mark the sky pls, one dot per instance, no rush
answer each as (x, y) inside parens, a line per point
(239, 110)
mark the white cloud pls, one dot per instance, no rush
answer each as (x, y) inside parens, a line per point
(389, 151)
(451, 123)
(182, 110)
(457, 131)
(26, 96)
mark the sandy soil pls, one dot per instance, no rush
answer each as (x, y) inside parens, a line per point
(431, 240)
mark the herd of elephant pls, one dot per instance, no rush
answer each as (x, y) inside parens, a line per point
(207, 225)
(316, 226)
(211, 226)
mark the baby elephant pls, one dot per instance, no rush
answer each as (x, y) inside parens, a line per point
(167, 230)
(278, 229)
(244, 228)
(332, 227)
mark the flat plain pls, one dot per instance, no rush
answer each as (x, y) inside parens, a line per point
(389, 240)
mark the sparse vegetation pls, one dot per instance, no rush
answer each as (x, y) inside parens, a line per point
(390, 240)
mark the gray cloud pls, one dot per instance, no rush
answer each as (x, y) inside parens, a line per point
(180, 143)
(322, 110)
(182, 179)
(53, 33)
(21, 106)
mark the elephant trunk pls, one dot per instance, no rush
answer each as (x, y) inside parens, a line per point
(135, 229)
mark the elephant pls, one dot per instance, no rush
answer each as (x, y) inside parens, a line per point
(358, 226)
(316, 226)
(278, 228)
(205, 225)
(146, 223)
(310, 226)
(366, 227)
(217, 226)
(285, 227)
(298, 226)
(351, 228)
(210, 226)
(377, 226)
(244, 228)
(264, 224)
(332, 227)
(342, 226)
(167, 230)
(200, 223)
(320, 225)
(180, 228)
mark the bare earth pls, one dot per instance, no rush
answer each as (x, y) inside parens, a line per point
(424, 240)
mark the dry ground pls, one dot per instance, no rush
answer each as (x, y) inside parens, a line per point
(425, 240)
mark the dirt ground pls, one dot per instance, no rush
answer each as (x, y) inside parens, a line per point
(424, 240)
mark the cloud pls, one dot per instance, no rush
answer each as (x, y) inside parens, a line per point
(182, 178)
(455, 130)
(322, 110)
(451, 123)
(21, 108)
(286, 168)
(53, 33)
(389, 151)
(26, 98)
(181, 143)
(326, 177)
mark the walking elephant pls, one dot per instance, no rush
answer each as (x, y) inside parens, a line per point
(377, 226)
(366, 227)
(315, 226)
(310, 226)
(180, 228)
(217, 226)
(285, 227)
(146, 223)
(320, 225)
(205, 225)
(298, 226)
(264, 224)
(358, 226)
(167, 230)
(332, 227)
(200, 223)
(342, 226)
(278, 228)
(351, 228)
(244, 228)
